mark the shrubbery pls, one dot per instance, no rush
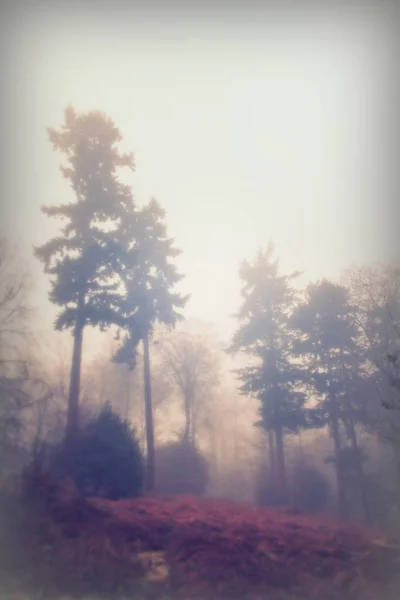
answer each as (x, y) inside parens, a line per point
(309, 489)
(266, 493)
(105, 461)
(180, 469)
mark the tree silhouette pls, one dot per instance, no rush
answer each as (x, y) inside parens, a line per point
(328, 341)
(84, 259)
(194, 370)
(376, 293)
(14, 335)
(149, 277)
(265, 336)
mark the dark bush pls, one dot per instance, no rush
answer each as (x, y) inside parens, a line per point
(180, 469)
(308, 489)
(105, 461)
(266, 492)
(312, 489)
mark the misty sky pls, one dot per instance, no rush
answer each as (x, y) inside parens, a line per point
(244, 129)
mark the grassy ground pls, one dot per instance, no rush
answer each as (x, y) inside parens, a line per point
(153, 549)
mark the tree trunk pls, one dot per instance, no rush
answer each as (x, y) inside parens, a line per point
(280, 464)
(272, 457)
(337, 447)
(193, 426)
(188, 417)
(74, 386)
(351, 432)
(280, 448)
(150, 475)
(360, 471)
(216, 458)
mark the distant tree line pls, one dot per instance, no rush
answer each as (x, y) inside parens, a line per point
(317, 358)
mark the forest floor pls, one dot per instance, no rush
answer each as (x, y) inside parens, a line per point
(186, 547)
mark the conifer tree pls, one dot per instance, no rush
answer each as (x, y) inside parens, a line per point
(264, 334)
(149, 276)
(84, 259)
(328, 342)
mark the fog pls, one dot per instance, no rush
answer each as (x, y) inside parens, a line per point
(242, 317)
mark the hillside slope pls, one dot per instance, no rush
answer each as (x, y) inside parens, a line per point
(215, 549)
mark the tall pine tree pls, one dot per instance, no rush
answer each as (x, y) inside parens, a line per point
(265, 336)
(149, 276)
(84, 259)
(328, 342)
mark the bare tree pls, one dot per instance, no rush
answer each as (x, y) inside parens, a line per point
(376, 293)
(193, 365)
(14, 291)
(14, 334)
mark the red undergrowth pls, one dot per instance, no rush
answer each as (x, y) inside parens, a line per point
(231, 547)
